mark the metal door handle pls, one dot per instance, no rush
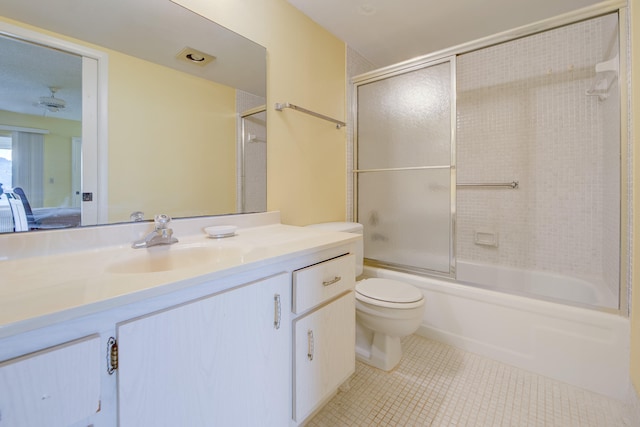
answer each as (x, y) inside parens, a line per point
(332, 281)
(277, 311)
(310, 348)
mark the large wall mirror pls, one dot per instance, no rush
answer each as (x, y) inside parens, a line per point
(115, 111)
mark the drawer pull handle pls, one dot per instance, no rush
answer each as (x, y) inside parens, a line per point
(332, 281)
(276, 311)
(310, 344)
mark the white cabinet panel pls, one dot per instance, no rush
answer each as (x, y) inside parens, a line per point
(54, 387)
(218, 361)
(323, 281)
(324, 353)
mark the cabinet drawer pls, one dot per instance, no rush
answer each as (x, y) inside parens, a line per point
(320, 282)
(54, 387)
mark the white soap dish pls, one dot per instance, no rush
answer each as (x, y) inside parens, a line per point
(221, 231)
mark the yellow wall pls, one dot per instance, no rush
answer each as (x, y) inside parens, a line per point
(182, 160)
(57, 153)
(635, 118)
(306, 66)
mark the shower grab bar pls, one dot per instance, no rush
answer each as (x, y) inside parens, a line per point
(409, 168)
(281, 106)
(513, 185)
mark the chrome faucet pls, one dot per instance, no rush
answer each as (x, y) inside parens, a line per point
(161, 235)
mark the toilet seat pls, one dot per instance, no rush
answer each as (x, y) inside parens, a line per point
(388, 293)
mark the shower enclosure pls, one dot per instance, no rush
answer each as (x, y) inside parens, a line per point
(251, 188)
(499, 166)
(405, 168)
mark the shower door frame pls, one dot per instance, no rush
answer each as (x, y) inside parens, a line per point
(626, 201)
(241, 186)
(390, 72)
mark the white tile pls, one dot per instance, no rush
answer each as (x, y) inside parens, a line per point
(439, 385)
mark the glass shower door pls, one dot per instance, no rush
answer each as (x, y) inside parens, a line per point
(253, 162)
(405, 168)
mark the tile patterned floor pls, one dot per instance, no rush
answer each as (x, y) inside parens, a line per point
(439, 385)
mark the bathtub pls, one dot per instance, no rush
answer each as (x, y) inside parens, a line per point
(579, 346)
(537, 284)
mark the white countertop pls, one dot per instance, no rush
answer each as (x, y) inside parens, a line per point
(37, 291)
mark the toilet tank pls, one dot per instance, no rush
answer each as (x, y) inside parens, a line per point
(347, 227)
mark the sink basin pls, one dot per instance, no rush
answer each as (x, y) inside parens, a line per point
(167, 258)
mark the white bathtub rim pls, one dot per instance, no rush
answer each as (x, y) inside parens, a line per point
(488, 295)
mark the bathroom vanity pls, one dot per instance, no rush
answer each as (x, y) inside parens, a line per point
(255, 329)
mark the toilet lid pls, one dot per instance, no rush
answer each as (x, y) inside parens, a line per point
(388, 290)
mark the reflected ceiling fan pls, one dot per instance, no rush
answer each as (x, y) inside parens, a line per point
(51, 103)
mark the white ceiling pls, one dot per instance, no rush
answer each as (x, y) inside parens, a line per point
(27, 71)
(390, 31)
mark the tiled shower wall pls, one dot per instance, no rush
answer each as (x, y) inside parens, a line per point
(523, 115)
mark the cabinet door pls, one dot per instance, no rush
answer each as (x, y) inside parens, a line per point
(54, 387)
(218, 361)
(324, 354)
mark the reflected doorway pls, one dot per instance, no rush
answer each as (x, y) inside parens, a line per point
(49, 103)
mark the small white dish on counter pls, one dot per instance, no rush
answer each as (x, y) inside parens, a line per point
(221, 231)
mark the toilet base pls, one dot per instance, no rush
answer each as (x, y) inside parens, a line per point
(384, 351)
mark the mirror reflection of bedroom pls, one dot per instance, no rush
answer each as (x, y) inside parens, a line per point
(40, 144)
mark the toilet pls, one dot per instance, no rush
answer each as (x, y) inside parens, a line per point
(386, 310)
